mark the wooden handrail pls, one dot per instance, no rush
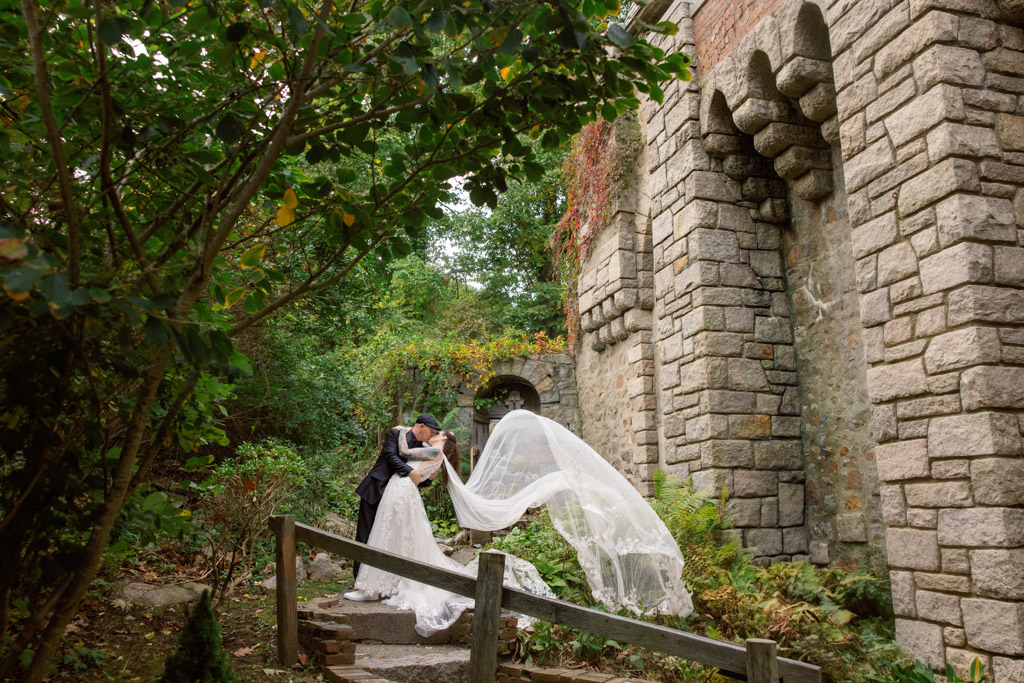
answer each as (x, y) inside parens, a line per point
(756, 663)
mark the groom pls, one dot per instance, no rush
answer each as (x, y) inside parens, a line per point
(391, 461)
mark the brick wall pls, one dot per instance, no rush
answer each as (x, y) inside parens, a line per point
(720, 24)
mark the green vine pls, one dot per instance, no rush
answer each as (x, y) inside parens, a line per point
(593, 173)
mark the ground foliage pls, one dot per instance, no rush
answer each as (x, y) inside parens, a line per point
(840, 621)
(177, 172)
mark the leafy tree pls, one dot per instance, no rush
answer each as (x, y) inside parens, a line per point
(154, 205)
(506, 251)
(199, 656)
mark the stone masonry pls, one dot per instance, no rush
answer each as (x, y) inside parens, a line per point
(823, 257)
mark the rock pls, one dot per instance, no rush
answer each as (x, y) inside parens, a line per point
(144, 594)
(323, 568)
(300, 570)
(269, 585)
(337, 524)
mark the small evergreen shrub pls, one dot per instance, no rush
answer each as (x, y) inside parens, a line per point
(199, 656)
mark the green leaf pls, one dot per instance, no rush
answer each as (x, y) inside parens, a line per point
(399, 17)
(22, 280)
(234, 296)
(236, 32)
(110, 31)
(619, 36)
(230, 129)
(534, 171)
(511, 44)
(253, 255)
(55, 288)
(296, 18)
(976, 671)
(436, 22)
(156, 332)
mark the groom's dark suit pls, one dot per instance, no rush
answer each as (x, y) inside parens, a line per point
(389, 462)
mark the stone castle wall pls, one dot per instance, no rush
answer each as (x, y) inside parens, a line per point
(835, 334)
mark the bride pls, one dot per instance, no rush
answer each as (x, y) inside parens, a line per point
(627, 554)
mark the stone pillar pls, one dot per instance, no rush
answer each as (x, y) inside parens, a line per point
(932, 137)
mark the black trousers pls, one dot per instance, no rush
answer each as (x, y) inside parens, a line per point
(367, 513)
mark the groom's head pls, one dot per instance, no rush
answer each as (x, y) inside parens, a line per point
(426, 426)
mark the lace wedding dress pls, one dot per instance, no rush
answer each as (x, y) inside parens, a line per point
(629, 557)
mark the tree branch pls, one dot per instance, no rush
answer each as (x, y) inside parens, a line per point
(35, 36)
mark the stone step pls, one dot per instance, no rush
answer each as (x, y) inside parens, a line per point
(414, 663)
(373, 621)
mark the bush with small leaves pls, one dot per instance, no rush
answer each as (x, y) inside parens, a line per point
(199, 656)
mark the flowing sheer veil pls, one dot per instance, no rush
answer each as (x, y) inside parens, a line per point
(628, 555)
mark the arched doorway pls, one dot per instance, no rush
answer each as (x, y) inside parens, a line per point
(503, 394)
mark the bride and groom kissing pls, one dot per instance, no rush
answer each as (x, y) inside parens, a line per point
(409, 459)
(629, 557)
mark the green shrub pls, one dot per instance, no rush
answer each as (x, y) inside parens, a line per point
(199, 656)
(920, 673)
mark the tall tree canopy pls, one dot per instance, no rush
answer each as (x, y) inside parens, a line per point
(174, 172)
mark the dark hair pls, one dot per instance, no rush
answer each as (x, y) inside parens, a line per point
(451, 451)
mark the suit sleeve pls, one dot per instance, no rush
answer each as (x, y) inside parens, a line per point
(391, 455)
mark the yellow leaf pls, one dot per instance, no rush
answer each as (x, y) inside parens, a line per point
(16, 297)
(285, 216)
(290, 200)
(505, 71)
(535, 132)
(257, 58)
(348, 219)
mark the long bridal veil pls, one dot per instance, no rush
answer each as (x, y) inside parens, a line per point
(628, 555)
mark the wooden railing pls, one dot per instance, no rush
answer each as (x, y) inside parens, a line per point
(758, 662)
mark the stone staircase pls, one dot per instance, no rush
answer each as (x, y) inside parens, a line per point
(370, 641)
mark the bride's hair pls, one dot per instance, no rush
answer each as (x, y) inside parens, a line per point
(451, 451)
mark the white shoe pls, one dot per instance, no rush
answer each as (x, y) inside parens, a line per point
(361, 596)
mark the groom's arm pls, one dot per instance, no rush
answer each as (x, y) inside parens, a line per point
(389, 451)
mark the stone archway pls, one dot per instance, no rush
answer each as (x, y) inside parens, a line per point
(501, 395)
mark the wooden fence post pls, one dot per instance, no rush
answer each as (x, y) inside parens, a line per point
(483, 658)
(287, 590)
(762, 661)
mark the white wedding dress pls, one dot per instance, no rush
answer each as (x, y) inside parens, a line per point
(629, 557)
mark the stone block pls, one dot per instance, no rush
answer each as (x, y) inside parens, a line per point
(962, 348)
(729, 402)
(727, 453)
(776, 137)
(713, 245)
(1008, 670)
(979, 303)
(753, 483)
(791, 505)
(883, 423)
(819, 553)
(972, 217)
(868, 165)
(896, 263)
(998, 481)
(850, 528)
(903, 593)
(939, 495)
(1010, 129)
(769, 512)
(941, 180)
(874, 235)
(897, 380)
(998, 573)
(944, 583)
(959, 468)
(974, 434)
(713, 481)
(955, 561)
(765, 541)
(954, 139)
(750, 426)
(948, 64)
(773, 330)
(902, 460)
(743, 512)
(942, 102)
(1009, 265)
(989, 386)
(894, 507)
(746, 374)
(938, 607)
(875, 307)
(998, 527)
(696, 214)
(922, 640)
(963, 263)
(794, 540)
(778, 454)
(994, 626)
(912, 549)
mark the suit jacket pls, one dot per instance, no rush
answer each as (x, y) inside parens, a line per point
(389, 462)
